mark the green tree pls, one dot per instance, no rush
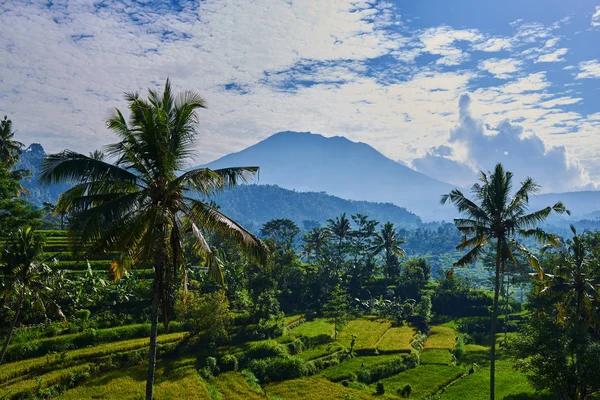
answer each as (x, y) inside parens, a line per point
(284, 231)
(25, 273)
(141, 207)
(10, 149)
(501, 216)
(339, 229)
(388, 242)
(336, 309)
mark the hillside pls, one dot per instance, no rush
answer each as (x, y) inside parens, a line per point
(253, 205)
(309, 162)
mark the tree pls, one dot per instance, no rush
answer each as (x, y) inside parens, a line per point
(497, 214)
(141, 207)
(315, 243)
(390, 243)
(572, 289)
(25, 272)
(10, 149)
(339, 230)
(284, 231)
(336, 308)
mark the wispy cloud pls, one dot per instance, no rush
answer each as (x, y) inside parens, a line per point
(588, 69)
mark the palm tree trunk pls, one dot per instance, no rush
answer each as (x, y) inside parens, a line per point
(12, 325)
(507, 303)
(153, 346)
(494, 317)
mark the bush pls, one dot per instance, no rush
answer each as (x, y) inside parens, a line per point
(265, 350)
(278, 369)
(379, 388)
(211, 365)
(384, 370)
(459, 347)
(83, 315)
(295, 347)
(405, 391)
(228, 362)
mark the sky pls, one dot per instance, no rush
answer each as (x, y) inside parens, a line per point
(445, 87)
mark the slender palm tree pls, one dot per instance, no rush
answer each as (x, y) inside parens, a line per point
(339, 229)
(390, 243)
(315, 242)
(144, 205)
(496, 215)
(25, 272)
(576, 283)
(10, 149)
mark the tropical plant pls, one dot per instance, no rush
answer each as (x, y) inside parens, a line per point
(315, 243)
(390, 243)
(339, 229)
(10, 149)
(142, 207)
(496, 215)
(25, 273)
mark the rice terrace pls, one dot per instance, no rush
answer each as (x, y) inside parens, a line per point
(172, 228)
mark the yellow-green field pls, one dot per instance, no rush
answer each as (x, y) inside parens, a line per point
(396, 339)
(441, 337)
(368, 331)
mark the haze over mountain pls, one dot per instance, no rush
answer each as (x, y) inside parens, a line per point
(310, 162)
(304, 161)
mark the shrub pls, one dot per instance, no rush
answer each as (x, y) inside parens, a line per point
(265, 350)
(83, 315)
(379, 388)
(278, 369)
(386, 369)
(211, 365)
(295, 347)
(405, 391)
(229, 362)
(459, 347)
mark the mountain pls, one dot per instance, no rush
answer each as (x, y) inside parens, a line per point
(31, 159)
(304, 161)
(253, 205)
(583, 205)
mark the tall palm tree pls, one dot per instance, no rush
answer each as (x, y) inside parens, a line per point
(339, 229)
(575, 283)
(25, 272)
(389, 242)
(143, 206)
(502, 217)
(10, 149)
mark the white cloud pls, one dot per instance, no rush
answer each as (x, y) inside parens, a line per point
(596, 17)
(524, 155)
(501, 68)
(588, 69)
(555, 56)
(442, 41)
(494, 44)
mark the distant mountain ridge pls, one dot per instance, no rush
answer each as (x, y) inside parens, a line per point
(304, 161)
(253, 205)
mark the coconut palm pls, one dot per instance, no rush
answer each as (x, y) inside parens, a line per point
(315, 242)
(496, 215)
(388, 241)
(575, 285)
(25, 272)
(340, 230)
(145, 205)
(10, 149)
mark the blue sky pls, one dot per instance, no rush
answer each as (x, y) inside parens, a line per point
(445, 87)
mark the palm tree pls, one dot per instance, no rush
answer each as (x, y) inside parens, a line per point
(575, 283)
(143, 206)
(388, 240)
(25, 272)
(498, 215)
(339, 229)
(315, 242)
(10, 149)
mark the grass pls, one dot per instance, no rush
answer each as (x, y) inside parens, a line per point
(125, 384)
(396, 340)
(232, 385)
(317, 327)
(321, 350)
(347, 368)
(441, 337)
(180, 381)
(12, 370)
(318, 388)
(424, 379)
(436, 356)
(509, 384)
(368, 331)
(47, 380)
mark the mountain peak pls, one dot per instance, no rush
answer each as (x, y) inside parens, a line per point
(310, 162)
